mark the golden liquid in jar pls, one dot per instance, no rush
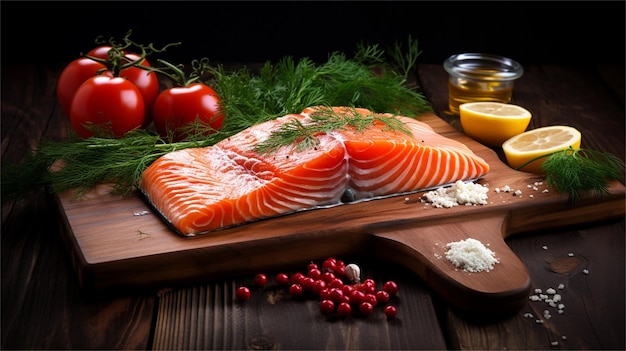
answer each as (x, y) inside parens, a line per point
(462, 90)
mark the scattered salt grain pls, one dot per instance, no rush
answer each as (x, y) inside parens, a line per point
(546, 314)
(586, 271)
(471, 255)
(544, 247)
(554, 343)
(460, 193)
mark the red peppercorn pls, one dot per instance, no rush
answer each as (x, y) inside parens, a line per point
(296, 278)
(344, 309)
(260, 280)
(282, 279)
(325, 294)
(336, 294)
(329, 264)
(390, 311)
(366, 308)
(328, 276)
(391, 287)
(371, 298)
(242, 293)
(312, 265)
(318, 286)
(357, 297)
(336, 283)
(307, 283)
(382, 296)
(327, 306)
(369, 286)
(295, 290)
(314, 273)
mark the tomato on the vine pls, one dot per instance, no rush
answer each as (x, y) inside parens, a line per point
(107, 102)
(146, 81)
(180, 107)
(79, 70)
(72, 76)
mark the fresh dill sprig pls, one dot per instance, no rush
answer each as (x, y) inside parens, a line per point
(582, 171)
(277, 89)
(406, 59)
(84, 163)
(288, 86)
(301, 135)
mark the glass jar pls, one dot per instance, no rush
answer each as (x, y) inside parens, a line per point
(480, 77)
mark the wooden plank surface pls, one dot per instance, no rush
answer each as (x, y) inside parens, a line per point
(44, 307)
(591, 99)
(121, 242)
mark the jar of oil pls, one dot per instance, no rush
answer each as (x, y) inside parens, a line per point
(480, 77)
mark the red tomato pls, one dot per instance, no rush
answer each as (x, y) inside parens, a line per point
(79, 70)
(100, 52)
(178, 107)
(104, 100)
(72, 76)
(147, 82)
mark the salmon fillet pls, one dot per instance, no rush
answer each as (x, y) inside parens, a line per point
(199, 190)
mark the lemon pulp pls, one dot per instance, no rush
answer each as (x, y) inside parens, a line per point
(535, 143)
(492, 123)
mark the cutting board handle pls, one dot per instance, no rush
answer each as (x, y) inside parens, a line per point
(422, 248)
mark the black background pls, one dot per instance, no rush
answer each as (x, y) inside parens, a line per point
(531, 32)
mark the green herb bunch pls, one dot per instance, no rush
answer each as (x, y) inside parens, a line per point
(372, 79)
(582, 171)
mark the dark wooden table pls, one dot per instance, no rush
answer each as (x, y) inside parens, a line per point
(43, 306)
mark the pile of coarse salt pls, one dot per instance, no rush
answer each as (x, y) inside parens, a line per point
(471, 255)
(460, 193)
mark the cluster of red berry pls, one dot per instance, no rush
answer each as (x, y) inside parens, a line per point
(339, 292)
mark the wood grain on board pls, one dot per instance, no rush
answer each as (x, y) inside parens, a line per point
(119, 241)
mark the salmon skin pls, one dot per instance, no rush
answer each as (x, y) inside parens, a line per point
(200, 190)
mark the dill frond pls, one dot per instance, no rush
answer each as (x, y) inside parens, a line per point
(301, 136)
(582, 171)
(276, 90)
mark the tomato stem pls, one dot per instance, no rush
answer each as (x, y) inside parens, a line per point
(117, 60)
(177, 74)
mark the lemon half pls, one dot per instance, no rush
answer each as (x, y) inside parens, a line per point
(539, 142)
(492, 123)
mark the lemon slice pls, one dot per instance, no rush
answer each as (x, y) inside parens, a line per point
(492, 123)
(539, 142)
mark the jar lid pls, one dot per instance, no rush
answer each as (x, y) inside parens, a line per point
(483, 67)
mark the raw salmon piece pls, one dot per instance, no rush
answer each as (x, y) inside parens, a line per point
(384, 162)
(204, 189)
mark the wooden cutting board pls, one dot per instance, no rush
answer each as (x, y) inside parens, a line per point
(119, 242)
